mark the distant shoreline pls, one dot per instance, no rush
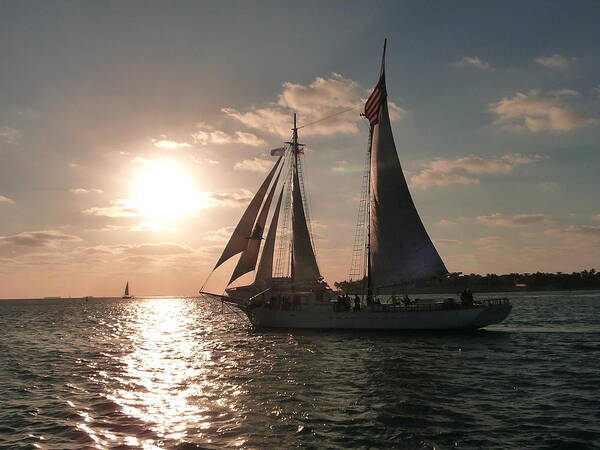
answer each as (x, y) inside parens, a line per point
(411, 292)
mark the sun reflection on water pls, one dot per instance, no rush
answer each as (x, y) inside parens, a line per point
(167, 380)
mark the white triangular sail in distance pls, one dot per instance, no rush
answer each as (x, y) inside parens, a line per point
(401, 251)
(247, 261)
(239, 239)
(126, 289)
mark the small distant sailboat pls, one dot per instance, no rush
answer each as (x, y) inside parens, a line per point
(126, 294)
(396, 250)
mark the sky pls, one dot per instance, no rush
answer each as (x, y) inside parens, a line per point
(133, 134)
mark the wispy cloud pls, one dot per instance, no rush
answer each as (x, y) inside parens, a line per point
(117, 208)
(4, 199)
(321, 98)
(465, 170)
(446, 223)
(596, 217)
(254, 165)
(535, 112)
(35, 239)
(168, 144)
(555, 61)
(514, 220)
(207, 136)
(78, 191)
(344, 166)
(229, 199)
(547, 186)
(447, 241)
(475, 62)
(10, 135)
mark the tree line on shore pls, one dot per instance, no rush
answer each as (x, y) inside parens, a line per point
(457, 282)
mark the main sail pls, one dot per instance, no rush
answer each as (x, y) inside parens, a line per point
(400, 249)
(304, 262)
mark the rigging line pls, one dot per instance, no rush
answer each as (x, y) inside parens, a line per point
(329, 117)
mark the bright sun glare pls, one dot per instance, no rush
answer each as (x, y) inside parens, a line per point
(163, 191)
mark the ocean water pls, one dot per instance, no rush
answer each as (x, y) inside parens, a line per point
(180, 373)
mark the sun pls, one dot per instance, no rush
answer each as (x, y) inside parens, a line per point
(163, 191)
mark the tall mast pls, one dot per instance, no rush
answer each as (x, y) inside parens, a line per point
(368, 249)
(293, 180)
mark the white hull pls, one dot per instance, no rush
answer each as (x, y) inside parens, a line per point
(450, 319)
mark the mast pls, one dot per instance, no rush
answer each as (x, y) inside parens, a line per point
(368, 249)
(304, 262)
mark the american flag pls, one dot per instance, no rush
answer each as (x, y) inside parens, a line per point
(375, 101)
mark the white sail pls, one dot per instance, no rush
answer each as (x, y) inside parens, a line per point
(126, 289)
(400, 248)
(239, 239)
(264, 272)
(304, 262)
(247, 261)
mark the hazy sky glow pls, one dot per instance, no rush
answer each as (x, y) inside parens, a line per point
(132, 134)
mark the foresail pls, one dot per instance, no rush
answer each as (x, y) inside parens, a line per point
(265, 265)
(239, 239)
(247, 261)
(304, 262)
(401, 250)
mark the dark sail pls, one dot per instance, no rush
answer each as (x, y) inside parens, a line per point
(247, 261)
(304, 262)
(400, 248)
(264, 272)
(239, 239)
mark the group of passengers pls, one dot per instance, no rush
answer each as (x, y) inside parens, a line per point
(284, 303)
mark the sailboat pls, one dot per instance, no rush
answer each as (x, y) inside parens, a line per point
(126, 294)
(289, 292)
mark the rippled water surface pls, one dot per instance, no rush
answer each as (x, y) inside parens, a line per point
(178, 373)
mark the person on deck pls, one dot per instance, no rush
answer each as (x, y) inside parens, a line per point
(466, 297)
(356, 303)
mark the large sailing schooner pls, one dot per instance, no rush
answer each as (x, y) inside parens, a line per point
(291, 293)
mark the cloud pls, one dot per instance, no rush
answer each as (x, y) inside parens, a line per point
(446, 223)
(169, 145)
(464, 170)
(345, 167)
(35, 239)
(159, 249)
(232, 199)
(447, 241)
(78, 191)
(476, 62)
(209, 136)
(219, 235)
(555, 61)
(10, 135)
(254, 165)
(117, 208)
(596, 217)
(321, 98)
(578, 232)
(514, 220)
(536, 112)
(249, 139)
(585, 230)
(547, 186)
(4, 199)
(597, 90)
